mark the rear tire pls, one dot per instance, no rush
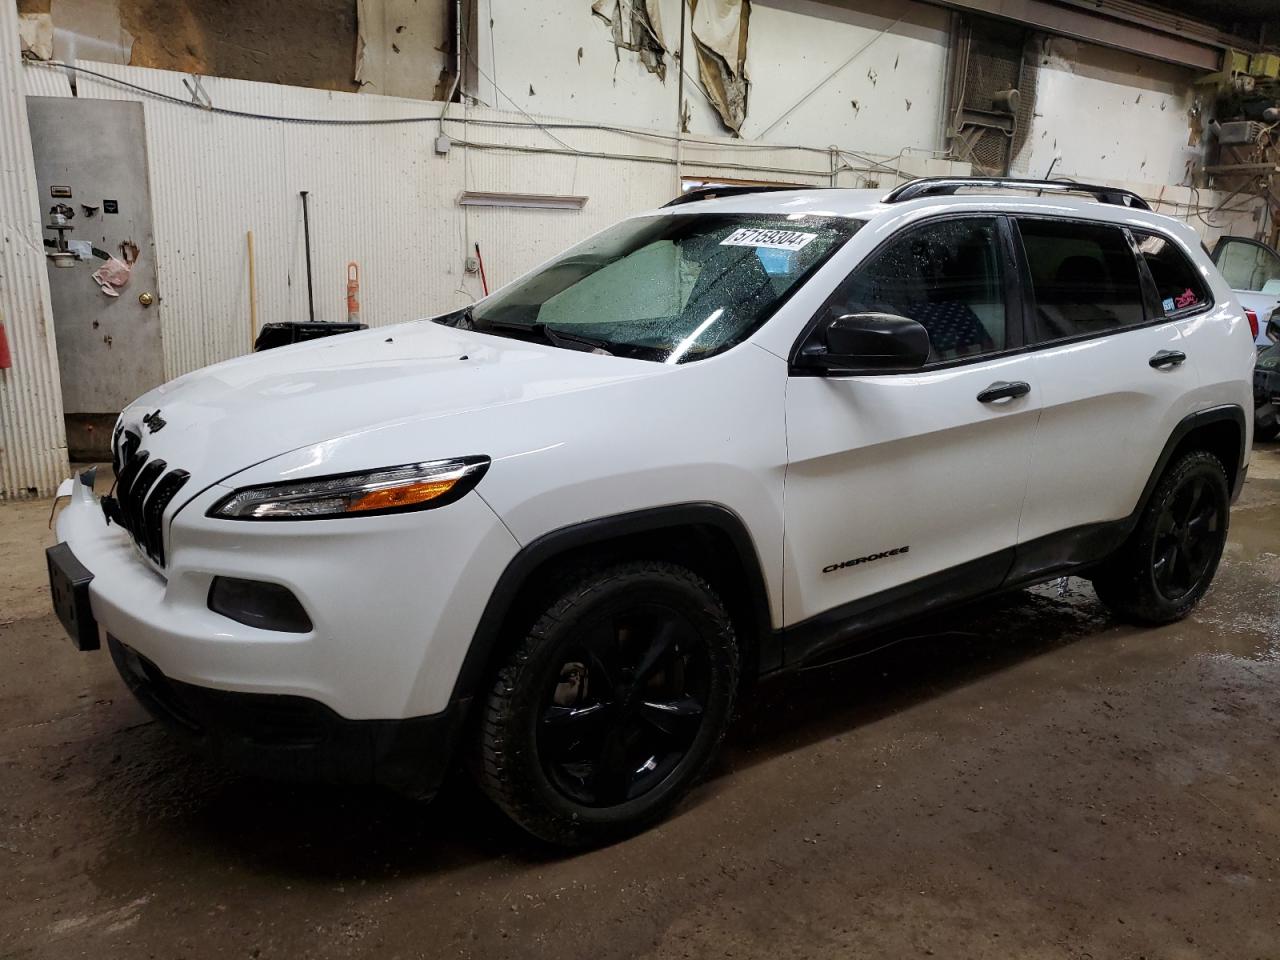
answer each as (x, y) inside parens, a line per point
(611, 707)
(1164, 568)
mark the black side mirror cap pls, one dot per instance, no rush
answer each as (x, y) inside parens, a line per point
(871, 342)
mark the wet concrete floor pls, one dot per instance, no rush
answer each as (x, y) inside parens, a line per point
(1025, 778)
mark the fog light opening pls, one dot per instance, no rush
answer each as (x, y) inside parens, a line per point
(256, 603)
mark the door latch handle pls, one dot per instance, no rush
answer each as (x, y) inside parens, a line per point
(1004, 390)
(1167, 358)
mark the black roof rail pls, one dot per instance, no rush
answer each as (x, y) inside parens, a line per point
(946, 186)
(730, 190)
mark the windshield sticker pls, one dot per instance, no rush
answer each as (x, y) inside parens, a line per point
(771, 239)
(1167, 304)
(1186, 298)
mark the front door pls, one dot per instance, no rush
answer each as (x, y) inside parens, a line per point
(91, 169)
(908, 487)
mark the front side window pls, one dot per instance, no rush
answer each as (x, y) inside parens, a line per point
(1084, 278)
(1178, 283)
(1248, 266)
(947, 276)
(671, 288)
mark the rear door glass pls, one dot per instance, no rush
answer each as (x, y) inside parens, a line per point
(1179, 285)
(1084, 278)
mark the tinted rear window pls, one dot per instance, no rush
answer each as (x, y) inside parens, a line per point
(1178, 283)
(1084, 278)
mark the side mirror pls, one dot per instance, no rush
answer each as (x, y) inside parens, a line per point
(870, 341)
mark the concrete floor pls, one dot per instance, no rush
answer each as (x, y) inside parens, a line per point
(1031, 779)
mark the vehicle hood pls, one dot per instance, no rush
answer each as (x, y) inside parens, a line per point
(222, 419)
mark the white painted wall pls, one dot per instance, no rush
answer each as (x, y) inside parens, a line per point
(897, 74)
(900, 49)
(1110, 114)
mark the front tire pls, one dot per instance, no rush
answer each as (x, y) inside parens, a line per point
(1167, 564)
(611, 706)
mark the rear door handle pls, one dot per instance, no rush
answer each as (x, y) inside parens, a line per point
(1167, 358)
(1004, 390)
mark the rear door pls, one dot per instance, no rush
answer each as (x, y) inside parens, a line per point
(1252, 270)
(1114, 365)
(906, 487)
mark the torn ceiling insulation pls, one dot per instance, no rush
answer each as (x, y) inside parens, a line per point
(720, 36)
(636, 26)
(719, 29)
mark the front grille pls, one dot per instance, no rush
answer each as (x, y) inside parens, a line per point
(143, 490)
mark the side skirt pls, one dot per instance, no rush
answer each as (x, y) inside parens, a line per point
(858, 628)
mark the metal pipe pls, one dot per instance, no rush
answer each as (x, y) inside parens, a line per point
(680, 103)
(306, 233)
(253, 297)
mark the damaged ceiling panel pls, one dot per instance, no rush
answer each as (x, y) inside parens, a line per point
(720, 36)
(636, 26)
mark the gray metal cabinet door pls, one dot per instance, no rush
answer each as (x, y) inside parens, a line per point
(91, 158)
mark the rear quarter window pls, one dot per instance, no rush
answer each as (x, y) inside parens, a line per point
(1179, 285)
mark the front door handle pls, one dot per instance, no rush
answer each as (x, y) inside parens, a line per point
(1167, 358)
(1004, 390)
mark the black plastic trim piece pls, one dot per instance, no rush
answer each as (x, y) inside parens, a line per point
(250, 602)
(819, 635)
(1004, 390)
(534, 555)
(291, 738)
(153, 512)
(948, 186)
(69, 581)
(731, 190)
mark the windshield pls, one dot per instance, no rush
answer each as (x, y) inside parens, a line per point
(671, 288)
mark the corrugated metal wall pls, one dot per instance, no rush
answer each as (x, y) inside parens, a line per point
(33, 448)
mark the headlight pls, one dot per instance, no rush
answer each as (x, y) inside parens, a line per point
(414, 486)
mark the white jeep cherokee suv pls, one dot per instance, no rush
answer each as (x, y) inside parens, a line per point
(553, 534)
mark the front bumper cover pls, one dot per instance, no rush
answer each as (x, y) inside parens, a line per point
(295, 739)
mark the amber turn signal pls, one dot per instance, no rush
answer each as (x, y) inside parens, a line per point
(405, 496)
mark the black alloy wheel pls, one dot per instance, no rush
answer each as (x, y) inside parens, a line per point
(1187, 538)
(1160, 573)
(612, 704)
(625, 706)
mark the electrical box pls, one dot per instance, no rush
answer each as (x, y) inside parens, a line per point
(1239, 132)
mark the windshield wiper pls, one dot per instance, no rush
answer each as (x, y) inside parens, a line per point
(461, 319)
(557, 338)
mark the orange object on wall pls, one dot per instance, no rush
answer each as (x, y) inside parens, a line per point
(353, 290)
(6, 358)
